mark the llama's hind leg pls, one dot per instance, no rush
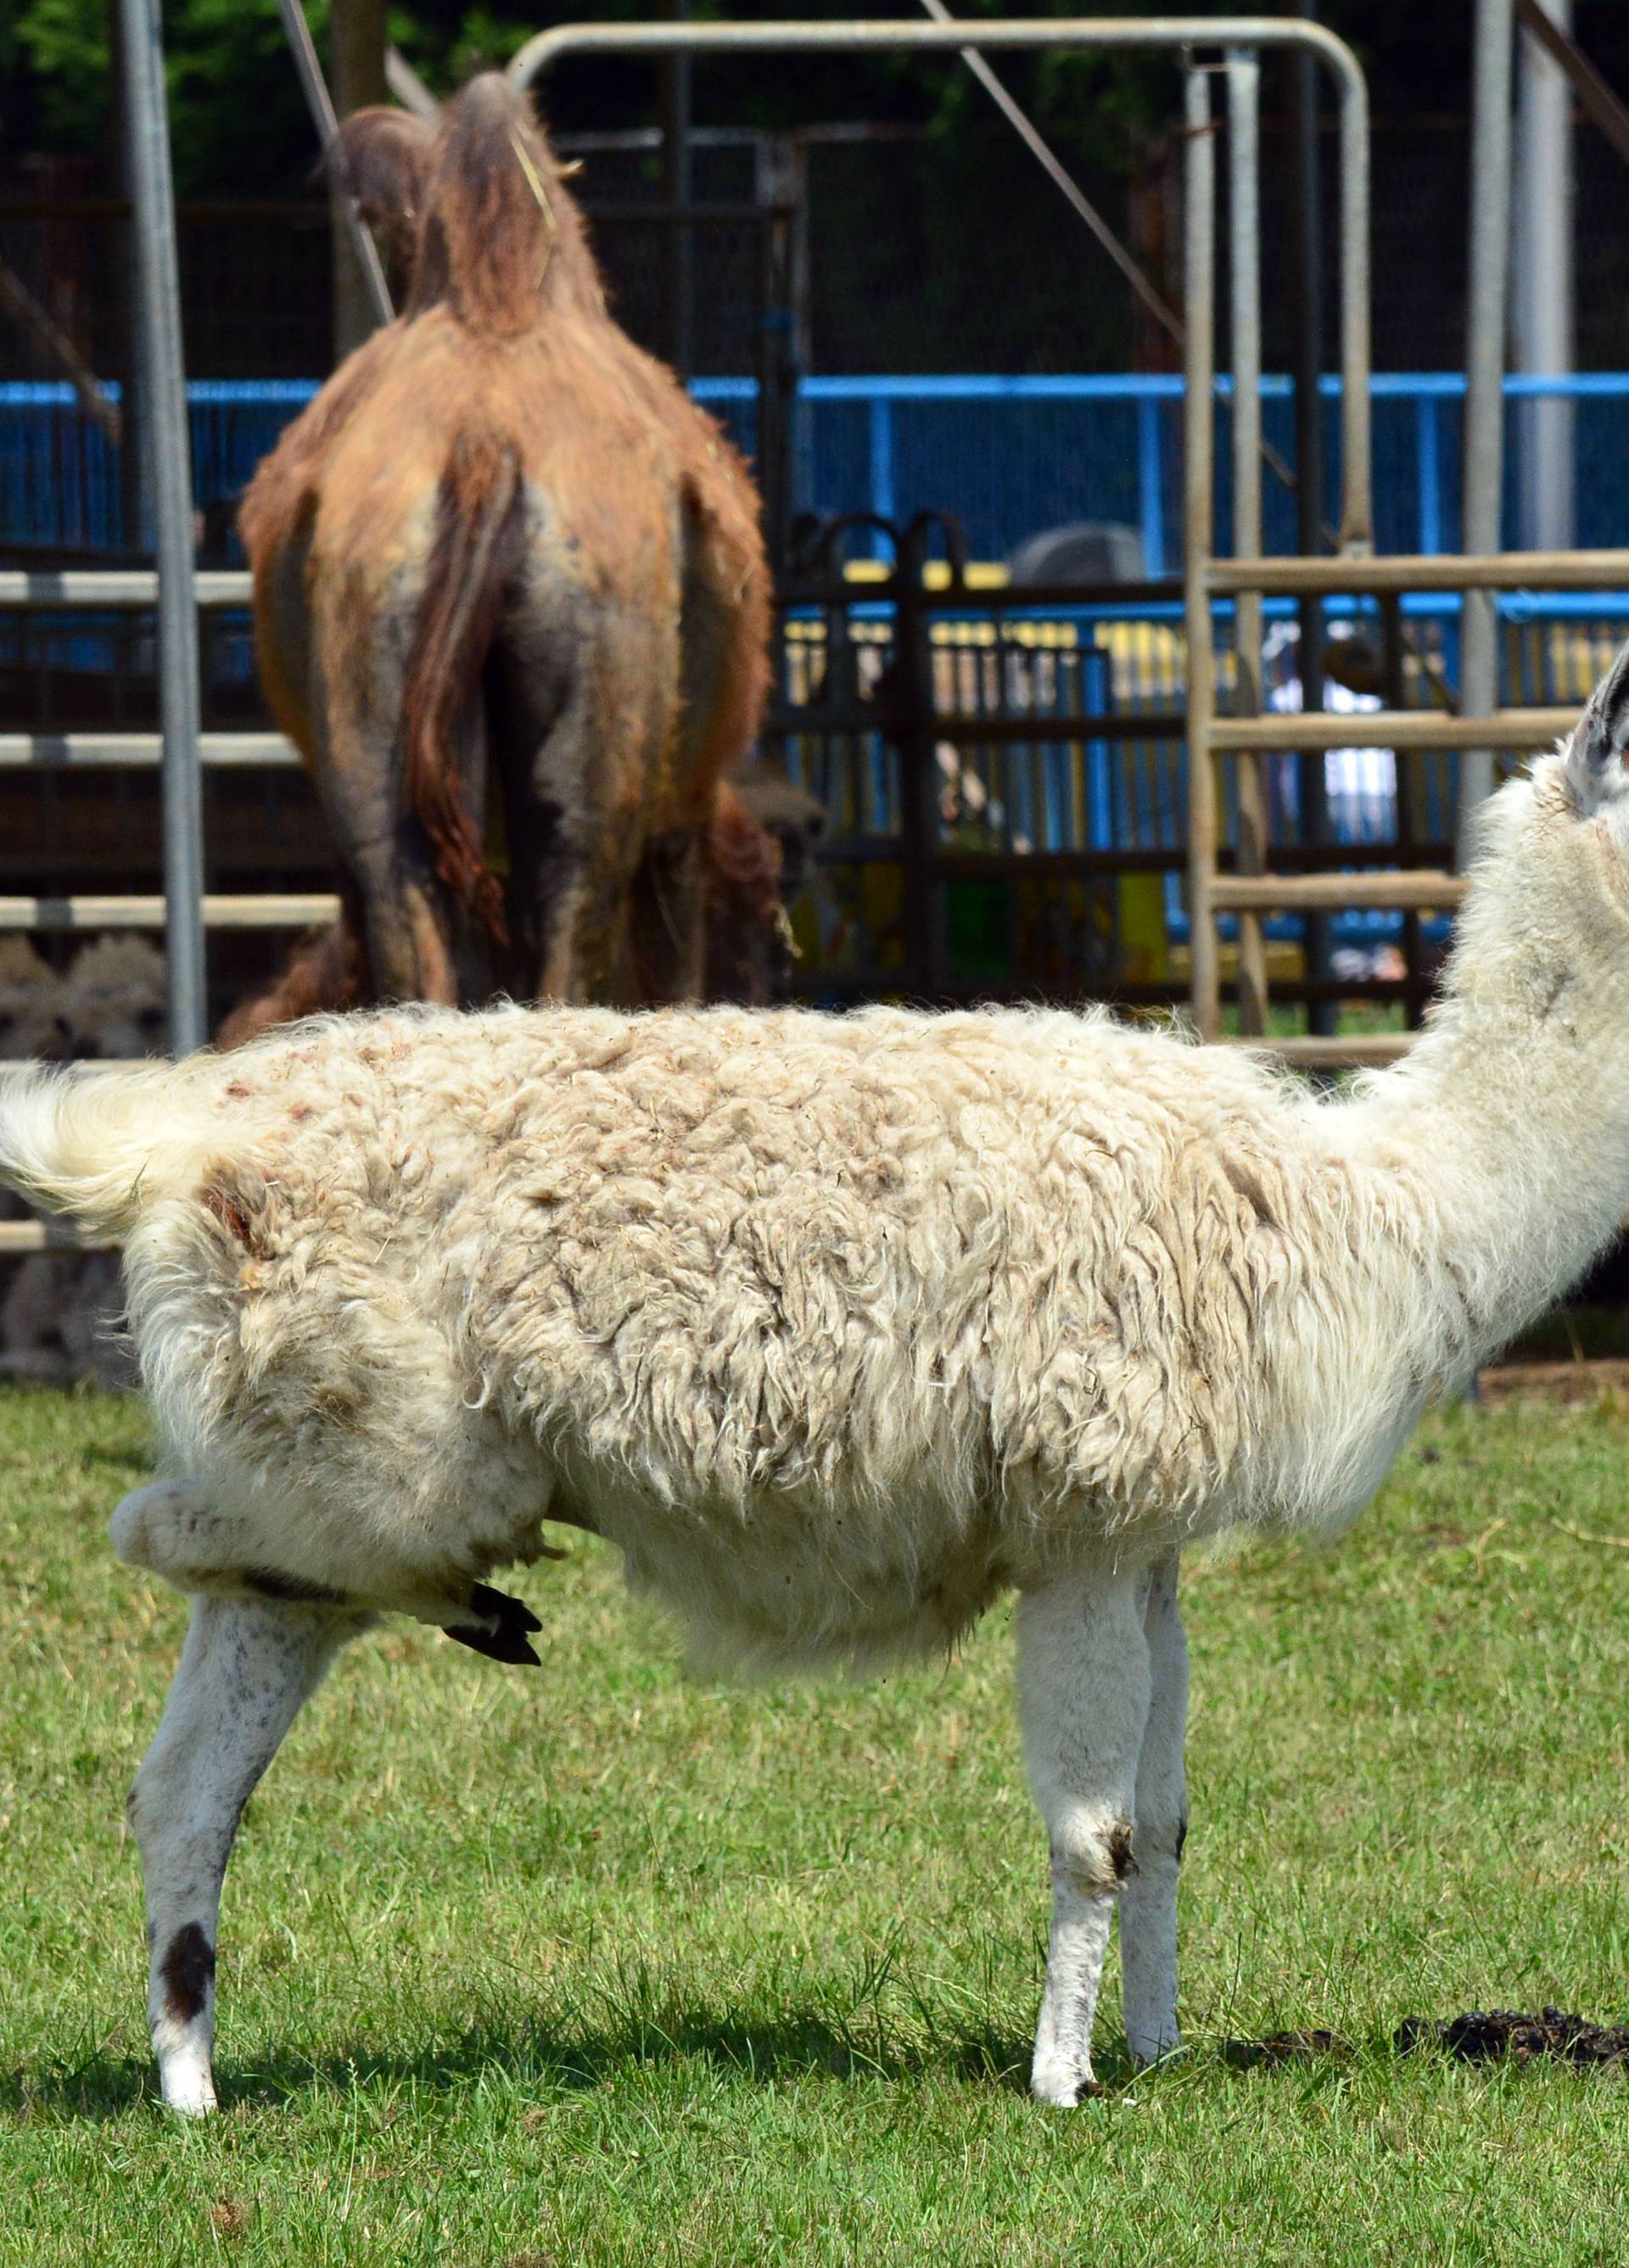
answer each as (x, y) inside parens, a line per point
(1148, 1905)
(244, 1672)
(1083, 1667)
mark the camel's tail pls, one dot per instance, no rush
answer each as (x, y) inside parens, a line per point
(473, 557)
(107, 1146)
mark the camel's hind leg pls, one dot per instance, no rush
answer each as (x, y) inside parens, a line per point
(422, 944)
(244, 1672)
(582, 749)
(335, 668)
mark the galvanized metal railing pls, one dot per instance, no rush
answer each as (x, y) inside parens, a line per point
(1248, 735)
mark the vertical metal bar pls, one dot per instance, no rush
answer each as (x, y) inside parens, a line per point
(1485, 358)
(773, 432)
(1198, 471)
(1428, 450)
(879, 481)
(1357, 511)
(164, 386)
(1311, 769)
(1150, 485)
(780, 178)
(1409, 762)
(1244, 274)
(1543, 324)
(918, 774)
(134, 479)
(676, 74)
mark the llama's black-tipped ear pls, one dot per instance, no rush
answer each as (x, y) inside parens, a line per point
(1599, 746)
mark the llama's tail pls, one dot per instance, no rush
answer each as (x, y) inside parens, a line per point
(476, 552)
(107, 1146)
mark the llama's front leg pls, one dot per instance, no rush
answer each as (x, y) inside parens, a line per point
(244, 1672)
(1083, 1670)
(1148, 1905)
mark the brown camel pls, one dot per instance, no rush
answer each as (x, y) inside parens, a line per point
(506, 571)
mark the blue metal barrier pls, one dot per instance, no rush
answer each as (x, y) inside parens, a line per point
(1008, 455)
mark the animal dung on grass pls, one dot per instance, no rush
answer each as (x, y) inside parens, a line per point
(838, 1329)
(1481, 2036)
(1485, 2034)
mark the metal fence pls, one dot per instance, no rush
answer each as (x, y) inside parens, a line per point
(1007, 456)
(1045, 739)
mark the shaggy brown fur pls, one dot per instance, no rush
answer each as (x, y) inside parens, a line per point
(503, 541)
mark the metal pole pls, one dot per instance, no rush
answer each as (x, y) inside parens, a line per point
(1543, 286)
(164, 390)
(1311, 775)
(676, 191)
(1357, 514)
(135, 473)
(314, 87)
(1087, 33)
(771, 451)
(1484, 370)
(1199, 449)
(1245, 277)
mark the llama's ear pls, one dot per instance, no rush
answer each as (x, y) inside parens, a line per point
(1599, 749)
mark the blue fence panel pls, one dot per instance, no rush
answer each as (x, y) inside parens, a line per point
(1008, 455)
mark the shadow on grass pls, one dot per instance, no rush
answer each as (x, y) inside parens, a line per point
(569, 2059)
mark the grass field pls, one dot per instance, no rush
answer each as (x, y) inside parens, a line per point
(602, 1966)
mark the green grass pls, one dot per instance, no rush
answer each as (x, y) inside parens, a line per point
(602, 1966)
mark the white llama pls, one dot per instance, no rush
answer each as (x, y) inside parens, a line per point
(837, 1328)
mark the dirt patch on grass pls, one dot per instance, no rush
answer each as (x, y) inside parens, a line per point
(1572, 1384)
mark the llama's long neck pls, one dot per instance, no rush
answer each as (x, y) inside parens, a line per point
(1510, 1117)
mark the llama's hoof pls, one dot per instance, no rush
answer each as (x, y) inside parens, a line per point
(188, 2086)
(1063, 2085)
(502, 1635)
